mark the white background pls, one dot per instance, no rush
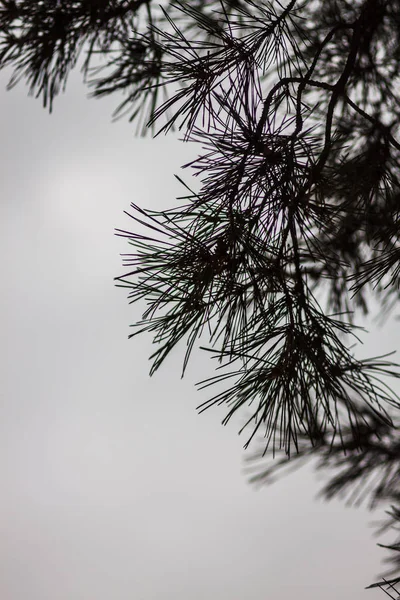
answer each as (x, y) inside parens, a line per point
(112, 487)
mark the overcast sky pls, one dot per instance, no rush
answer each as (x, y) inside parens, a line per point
(113, 487)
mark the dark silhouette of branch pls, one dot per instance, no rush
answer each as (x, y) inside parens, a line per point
(295, 227)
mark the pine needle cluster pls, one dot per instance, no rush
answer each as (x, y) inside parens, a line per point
(294, 230)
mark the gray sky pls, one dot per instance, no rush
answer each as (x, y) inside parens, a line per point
(113, 488)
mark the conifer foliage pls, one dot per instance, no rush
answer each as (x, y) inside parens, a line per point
(294, 229)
